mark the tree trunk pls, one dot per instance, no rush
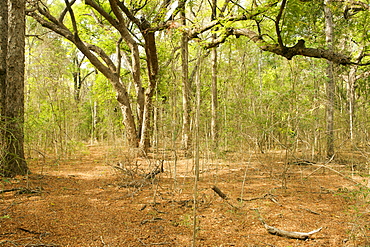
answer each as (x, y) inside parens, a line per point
(3, 55)
(351, 99)
(214, 104)
(186, 133)
(128, 118)
(152, 63)
(330, 85)
(13, 161)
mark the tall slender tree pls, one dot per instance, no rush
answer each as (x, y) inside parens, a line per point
(214, 98)
(330, 85)
(3, 53)
(186, 87)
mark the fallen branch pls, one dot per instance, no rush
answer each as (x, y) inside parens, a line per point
(219, 192)
(21, 191)
(157, 170)
(265, 196)
(9, 190)
(154, 219)
(42, 245)
(222, 195)
(286, 234)
(337, 172)
(310, 211)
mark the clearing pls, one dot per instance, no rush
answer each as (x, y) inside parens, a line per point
(84, 200)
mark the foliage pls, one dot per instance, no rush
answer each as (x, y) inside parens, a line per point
(265, 101)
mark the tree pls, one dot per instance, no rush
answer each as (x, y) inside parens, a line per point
(12, 88)
(120, 38)
(214, 98)
(3, 53)
(116, 20)
(186, 85)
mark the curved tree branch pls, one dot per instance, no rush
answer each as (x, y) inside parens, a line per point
(287, 52)
(277, 24)
(64, 12)
(73, 19)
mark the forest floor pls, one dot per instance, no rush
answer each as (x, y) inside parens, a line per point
(83, 200)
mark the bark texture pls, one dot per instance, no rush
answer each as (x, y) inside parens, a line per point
(330, 85)
(214, 95)
(12, 161)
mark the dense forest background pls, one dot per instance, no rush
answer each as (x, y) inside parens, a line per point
(263, 100)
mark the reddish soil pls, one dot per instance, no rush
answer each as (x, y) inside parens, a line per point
(85, 201)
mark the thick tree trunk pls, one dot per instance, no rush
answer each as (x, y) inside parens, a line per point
(13, 161)
(330, 85)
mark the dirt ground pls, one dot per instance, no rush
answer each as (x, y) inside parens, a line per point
(101, 197)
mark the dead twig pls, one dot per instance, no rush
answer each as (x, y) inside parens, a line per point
(28, 231)
(9, 190)
(310, 211)
(22, 191)
(265, 196)
(157, 170)
(150, 220)
(337, 172)
(222, 195)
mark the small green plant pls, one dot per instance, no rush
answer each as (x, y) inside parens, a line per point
(360, 197)
(186, 220)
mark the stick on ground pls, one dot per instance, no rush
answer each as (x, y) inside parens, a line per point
(286, 234)
(222, 195)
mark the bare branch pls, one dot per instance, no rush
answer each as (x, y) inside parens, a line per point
(128, 13)
(277, 23)
(101, 11)
(119, 55)
(287, 52)
(54, 26)
(73, 19)
(64, 12)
